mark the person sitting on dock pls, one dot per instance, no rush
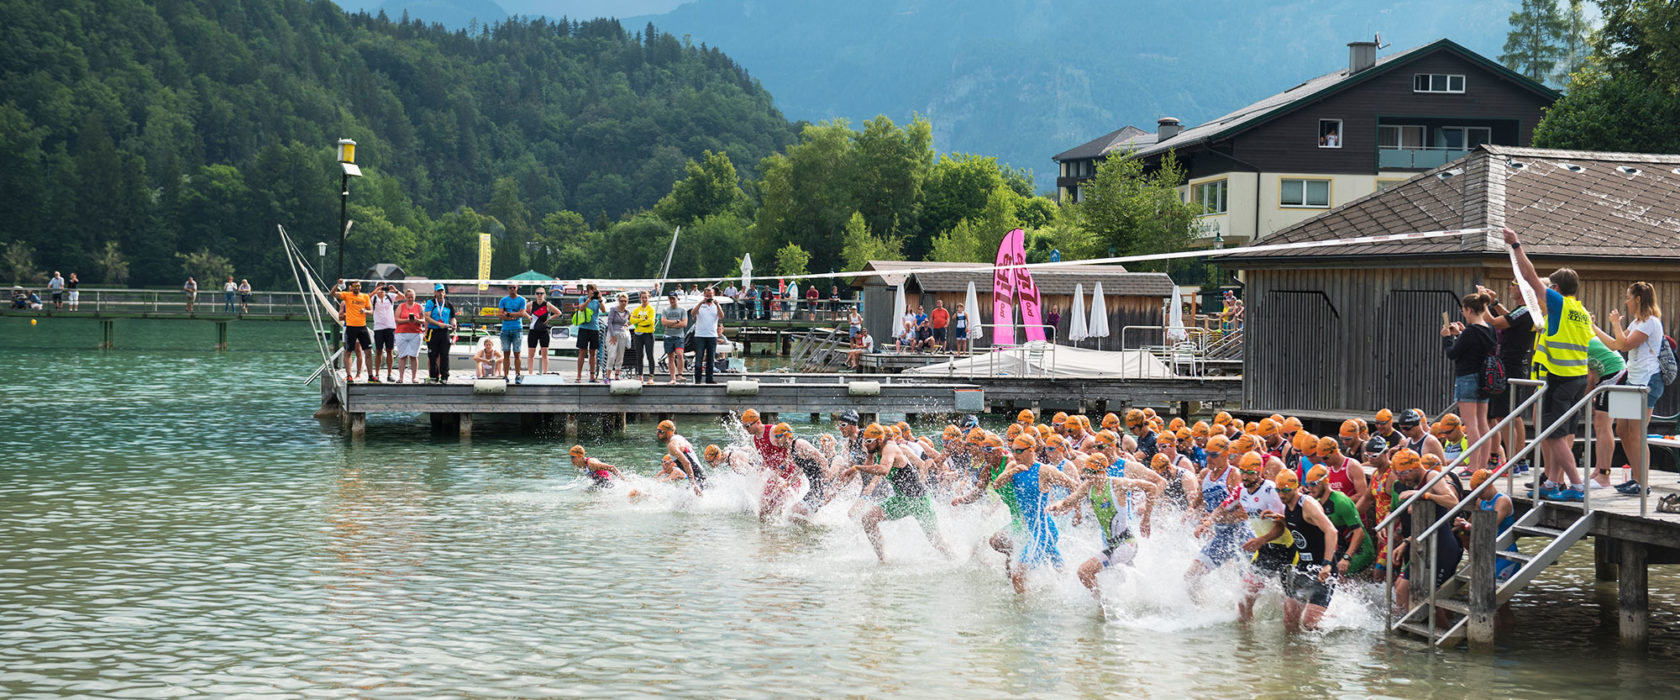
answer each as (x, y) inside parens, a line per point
(924, 330)
(599, 472)
(1488, 498)
(681, 451)
(488, 359)
(861, 344)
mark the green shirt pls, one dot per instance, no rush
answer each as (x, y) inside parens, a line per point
(1603, 360)
(1342, 513)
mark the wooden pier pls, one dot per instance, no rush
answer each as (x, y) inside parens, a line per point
(814, 394)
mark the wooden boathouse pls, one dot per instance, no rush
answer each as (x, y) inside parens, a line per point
(1351, 329)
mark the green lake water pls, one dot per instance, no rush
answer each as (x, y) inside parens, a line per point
(173, 522)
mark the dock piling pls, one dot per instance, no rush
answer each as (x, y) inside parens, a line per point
(358, 425)
(1633, 597)
(221, 335)
(571, 426)
(463, 422)
(107, 335)
(1484, 600)
(1604, 560)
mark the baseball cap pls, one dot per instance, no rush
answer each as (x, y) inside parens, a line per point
(437, 287)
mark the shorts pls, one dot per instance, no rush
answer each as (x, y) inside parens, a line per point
(1467, 388)
(1655, 382)
(74, 296)
(1303, 585)
(1225, 545)
(243, 298)
(1561, 394)
(813, 498)
(57, 297)
(588, 339)
(962, 334)
(918, 507)
(1499, 405)
(939, 334)
(408, 345)
(538, 337)
(1274, 560)
(924, 334)
(673, 343)
(510, 340)
(1362, 560)
(1121, 554)
(357, 338)
(384, 339)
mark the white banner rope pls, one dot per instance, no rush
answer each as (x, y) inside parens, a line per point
(982, 267)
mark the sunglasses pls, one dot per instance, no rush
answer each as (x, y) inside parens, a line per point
(1286, 489)
(1313, 484)
(1249, 471)
(1019, 451)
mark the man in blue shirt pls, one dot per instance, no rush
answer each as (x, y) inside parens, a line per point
(440, 325)
(512, 309)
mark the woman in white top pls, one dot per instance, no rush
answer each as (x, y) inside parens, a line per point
(1642, 340)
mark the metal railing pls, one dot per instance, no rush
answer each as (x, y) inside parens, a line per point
(828, 310)
(1192, 352)
(157, 301)
(1532, 448)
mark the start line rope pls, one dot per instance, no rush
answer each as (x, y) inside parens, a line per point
(982, 267)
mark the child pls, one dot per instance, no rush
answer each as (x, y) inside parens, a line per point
(487, 358)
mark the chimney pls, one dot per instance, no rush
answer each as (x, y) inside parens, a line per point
(1166, 128)
(1361, 55)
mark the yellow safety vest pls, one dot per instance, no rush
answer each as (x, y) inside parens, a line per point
(1564, 353)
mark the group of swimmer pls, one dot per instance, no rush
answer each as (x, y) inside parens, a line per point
(1267, 496)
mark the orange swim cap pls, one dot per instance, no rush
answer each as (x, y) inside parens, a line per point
(577, 451)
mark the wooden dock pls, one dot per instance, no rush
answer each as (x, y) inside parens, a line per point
(895, 362)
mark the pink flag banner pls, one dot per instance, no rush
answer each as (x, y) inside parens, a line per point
(1003, 293)
(1026, 291)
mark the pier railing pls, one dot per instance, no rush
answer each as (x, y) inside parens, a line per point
(207, 302)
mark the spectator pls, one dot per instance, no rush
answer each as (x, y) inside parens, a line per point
(56, 286)
(75, 297)
(1560, 357)
(441, 324)
(35, 301)
(752, 309)
(587, 317)
(812, 300)
(861, 343)
(1642, 340)
(190, 289)
(834, 302)
(960, 323)
(1603, 365)
(20, 299)
(244, 295)
(644, 320)
(924, 329)
(708, 327)
(537, 341)
(1469, 345)
(512, 310)
(1052, 321)
(940, 319)
(230, 290)
(352, 313)
(488, 359)
(384, 301)
(618, 338)
(409, 332)
(733, 296)
(854, 323)
(675, 322)
(1516, 344)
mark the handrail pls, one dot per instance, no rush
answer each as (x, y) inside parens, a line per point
(1516, 412)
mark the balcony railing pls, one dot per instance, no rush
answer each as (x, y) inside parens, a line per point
(1427, 157)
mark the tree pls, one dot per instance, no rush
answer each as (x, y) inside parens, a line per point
(1576, 41)
(1532, 46)
(207, 267)
(113, 269)
(1138, 213)
(792, 261)
(860, 246)
(709, 187)
(1641, 38)
(1627, 96)
(20, 263)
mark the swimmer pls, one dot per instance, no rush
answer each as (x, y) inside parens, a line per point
(1114, 513)
(911, 500)
(600, 472)
(1308, 584)
(681, 452)
(809, 462)
(731, 458)
(1032, 482)
(992, 459)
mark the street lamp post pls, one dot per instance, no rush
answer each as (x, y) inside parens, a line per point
(346, 164)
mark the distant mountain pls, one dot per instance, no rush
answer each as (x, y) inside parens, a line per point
(454, 14)
(1026, 79)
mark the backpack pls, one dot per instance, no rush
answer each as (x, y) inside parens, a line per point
(1665, 358)
(1493, 379)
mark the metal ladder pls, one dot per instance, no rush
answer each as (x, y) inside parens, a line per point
(1529, 566)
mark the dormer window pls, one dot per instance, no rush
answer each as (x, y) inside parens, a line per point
(1437, 82)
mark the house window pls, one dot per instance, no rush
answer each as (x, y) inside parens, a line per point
(1209, 195)
(1329, 133)
(1465, 138)
(1399, 136)
(1437, 82)
(1385, 183)
(1311, 194)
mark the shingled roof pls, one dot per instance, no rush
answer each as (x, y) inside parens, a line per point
(1129, 137)
(1582, 204)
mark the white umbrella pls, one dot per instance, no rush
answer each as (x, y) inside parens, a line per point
(746, 270)
(1076, 327)
(898, 313)
(971, 306)
(1098, 327)
(1175, 317)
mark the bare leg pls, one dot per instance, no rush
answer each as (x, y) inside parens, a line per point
(872, 527)
(1310, 618)
(1292, 609)
(1604, 447)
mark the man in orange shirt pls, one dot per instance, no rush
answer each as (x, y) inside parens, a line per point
(940, 319)
(354, 314)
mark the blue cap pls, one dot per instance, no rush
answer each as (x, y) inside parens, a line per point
(438, 287)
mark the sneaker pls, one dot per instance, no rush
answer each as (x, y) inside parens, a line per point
(1593, 484)
(1520, 468)
(1630, 488)
(1572, 495)
(1546, 493)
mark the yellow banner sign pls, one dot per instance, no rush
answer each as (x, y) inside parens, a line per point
(483, 260)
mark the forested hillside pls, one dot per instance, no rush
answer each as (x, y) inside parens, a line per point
(140, 141)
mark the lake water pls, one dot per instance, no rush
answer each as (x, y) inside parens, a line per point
(173, 521)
